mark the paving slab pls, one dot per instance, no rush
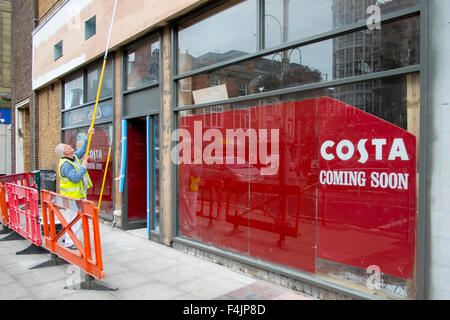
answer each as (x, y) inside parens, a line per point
(262, 290)
(141, 269)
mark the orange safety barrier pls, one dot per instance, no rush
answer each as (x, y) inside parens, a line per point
(24, 212)
(56, 206)
(4, 219)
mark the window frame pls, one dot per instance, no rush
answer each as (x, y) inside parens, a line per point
(83, 72)
(153, 38)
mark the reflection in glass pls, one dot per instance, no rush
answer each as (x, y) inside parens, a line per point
(217, 36)
(142, 63)
(396, 45)
(282, 17)
(384, 98)
(73, 92)
(93, 79)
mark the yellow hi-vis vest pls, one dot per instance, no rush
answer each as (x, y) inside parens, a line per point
(70, 188)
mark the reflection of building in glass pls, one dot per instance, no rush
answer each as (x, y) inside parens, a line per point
(353, 55)
(369, 51)
(143, 65)
(253, 76)
(263, 74)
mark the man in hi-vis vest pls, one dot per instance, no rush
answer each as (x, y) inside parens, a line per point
(74, 180)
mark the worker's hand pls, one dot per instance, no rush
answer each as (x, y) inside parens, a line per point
(85, 162)
(89, 131)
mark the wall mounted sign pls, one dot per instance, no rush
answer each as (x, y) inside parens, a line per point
(83, 116)
(5, 116)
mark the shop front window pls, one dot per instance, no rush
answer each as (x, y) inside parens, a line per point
(395, 45)
(73, 92)
(142, 64)
(218, 36)
(93, 79)
(322, 178)
(98, 154)
(282, 17)
(297, 179)
(82, 87)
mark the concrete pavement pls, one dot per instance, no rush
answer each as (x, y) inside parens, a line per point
(141, 269)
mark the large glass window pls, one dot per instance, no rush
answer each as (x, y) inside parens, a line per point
(142, 63)
(320, 180)
(82, 87)
(282, 17)
(73, 91)
(93, 80)
(218, 35)
(395, 45)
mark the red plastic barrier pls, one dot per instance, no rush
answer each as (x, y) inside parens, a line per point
(4, 219)
(53, 207)
(24, 212)
(22, 179)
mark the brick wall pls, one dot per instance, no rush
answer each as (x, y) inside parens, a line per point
(5, 47)
(23, 14)
(49, 106)
(22, 26)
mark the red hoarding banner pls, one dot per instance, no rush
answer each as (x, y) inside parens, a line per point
(294, 181)
(366, 190)
(248, 191)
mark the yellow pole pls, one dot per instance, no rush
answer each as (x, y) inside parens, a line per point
(104, 178)
(96, 105)
(101, 79)
(95, 108)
